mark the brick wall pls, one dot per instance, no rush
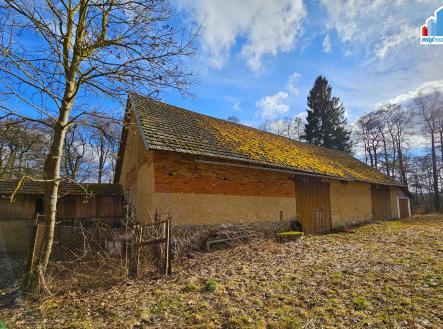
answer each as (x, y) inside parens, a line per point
(179, 173)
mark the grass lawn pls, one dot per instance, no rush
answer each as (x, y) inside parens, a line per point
(382, 275)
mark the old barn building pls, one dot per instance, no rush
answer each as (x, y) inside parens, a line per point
(206, 171)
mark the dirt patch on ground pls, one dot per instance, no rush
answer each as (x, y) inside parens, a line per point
(383, 275)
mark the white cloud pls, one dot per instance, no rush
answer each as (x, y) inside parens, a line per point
(327, 44)
(383, 39)
(379, 26)
(276, 105)
(273, 106)
(268, 27)
(417, 141)
(292, 83)
(406, 34)
(425, 88)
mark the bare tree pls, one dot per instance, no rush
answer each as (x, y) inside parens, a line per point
(288, 127)
(429, 110)
(75, 156)
(398, 124)
(368, 127)
(384, 136)
(104, 139)
(22, 149)
(53, 54)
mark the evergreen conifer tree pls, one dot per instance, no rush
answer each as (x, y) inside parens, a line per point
(326, 122)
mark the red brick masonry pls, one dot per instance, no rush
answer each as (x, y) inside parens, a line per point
(179, 173)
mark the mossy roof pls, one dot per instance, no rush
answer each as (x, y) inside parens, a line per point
(171, 128)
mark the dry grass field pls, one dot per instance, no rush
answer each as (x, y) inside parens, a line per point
(382, 275)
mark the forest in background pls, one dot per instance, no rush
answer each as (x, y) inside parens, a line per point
(89, 152)
(403, 141)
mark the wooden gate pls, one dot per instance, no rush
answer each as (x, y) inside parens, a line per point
(381, 203)
(404, 208)
(140, 239)
(313, 205)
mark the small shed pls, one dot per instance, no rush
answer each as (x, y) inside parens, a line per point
(78, 203)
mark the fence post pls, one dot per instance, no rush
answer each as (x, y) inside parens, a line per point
(168, 247)
(36, 241)
(133, 258)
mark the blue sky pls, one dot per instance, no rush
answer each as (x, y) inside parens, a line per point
(259, 58)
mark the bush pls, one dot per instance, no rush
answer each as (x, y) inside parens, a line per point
(191, 287)
(211, 286)
(360, 304)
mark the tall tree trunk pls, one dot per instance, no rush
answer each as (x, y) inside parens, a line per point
(366, 153)
(51, 174)
(101, 164)
(53, 160)
(385, 150)
(10, 163)
(401, 165)
(435, 175)
(38, 265)
(375, 158)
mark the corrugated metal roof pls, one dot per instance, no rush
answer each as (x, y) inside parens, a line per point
(170, 128)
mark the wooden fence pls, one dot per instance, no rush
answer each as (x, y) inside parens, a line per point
(145, 235)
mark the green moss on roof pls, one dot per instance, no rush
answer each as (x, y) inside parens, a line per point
(171, 128)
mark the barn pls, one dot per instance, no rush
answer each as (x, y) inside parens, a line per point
(210, 173)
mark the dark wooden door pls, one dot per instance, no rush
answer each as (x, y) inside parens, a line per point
(381, 204)
(404, 208)
(313, 206)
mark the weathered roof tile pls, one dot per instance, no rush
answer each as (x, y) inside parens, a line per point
(167, 127)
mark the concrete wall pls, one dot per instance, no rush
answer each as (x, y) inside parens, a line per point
(137, 173)
(201, 193)
(350, 203)
(393, 191)
(15, 237)
(144, 198)
(194, 208)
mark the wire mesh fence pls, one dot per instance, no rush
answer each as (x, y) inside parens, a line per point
(83, 241)
(84, 253)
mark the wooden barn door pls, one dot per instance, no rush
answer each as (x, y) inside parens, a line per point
(381, 203)
(313, 206)
(404, 208)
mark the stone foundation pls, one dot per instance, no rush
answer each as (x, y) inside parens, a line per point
(188, 238)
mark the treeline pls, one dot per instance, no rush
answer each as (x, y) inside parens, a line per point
(404, 141)
(89, 151)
